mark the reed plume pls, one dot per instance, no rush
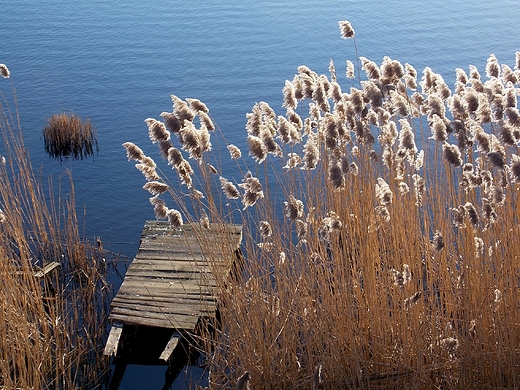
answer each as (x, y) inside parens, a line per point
(156, 187)
(337, 249)
(346, 29)
(4, 71)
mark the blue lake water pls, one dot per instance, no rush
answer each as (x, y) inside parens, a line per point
(117, 62)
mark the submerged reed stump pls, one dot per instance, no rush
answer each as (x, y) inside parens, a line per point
(168, 298)
(67, 136)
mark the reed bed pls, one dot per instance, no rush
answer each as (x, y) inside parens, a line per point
(67, 136)
(52, 325)
(380, 228)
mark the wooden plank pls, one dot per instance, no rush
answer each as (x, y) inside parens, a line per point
(187, 323)
(181, 287)
(113, 340)
(174, 341)
(48, 268)
(171, 300)
(157, 307)
(143, 292)
(168, 275)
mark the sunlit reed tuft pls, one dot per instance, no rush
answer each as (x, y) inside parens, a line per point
(4, 71)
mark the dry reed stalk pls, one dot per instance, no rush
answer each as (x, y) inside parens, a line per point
(52, 326)
(67, 136)
(374, 261)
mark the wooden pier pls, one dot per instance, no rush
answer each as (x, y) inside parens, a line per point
(168, 291)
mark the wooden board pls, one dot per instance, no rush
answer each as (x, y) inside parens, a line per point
(113, 340)
(165, 355)
(171, 282)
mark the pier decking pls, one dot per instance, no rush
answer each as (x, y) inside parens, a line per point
(170, 285)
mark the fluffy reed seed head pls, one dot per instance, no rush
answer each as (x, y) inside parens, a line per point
(346, 29)
(157, 131)
(204, 222)
(289, 95)
(373, 93)
(257, 148)
(451, 154)
(254, 120)
(159, 207)
(293, 208)
(265, 229)
(332, 70)
(407, 137)
(438, 129)
(419, 189)
(496, 159)
(234, 152)
(336, 177)
(383, 192)
(181, 110)
(350, 70)
(197, 105)
(498, 295)
(174, 218)
(515, 167)
(185, 171)
(371, 68)
(437, 241)
(399, 277)
(492, 67)
(301, 229)
(411, 301)
(472, 214)
(311, 156)
(191, 140)
(156, 187)
(148, 171)
(229, 189)
(458, 215)
(133, 152)
(4, 71)
(171, 121)
(174, 157)
(353, 169)
(205, 121)
(293, 161)
(253, 190)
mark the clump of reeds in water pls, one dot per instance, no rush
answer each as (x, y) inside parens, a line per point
(52, 324)
(67, 136)
(391, 259)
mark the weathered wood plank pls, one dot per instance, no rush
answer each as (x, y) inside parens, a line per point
(45, 270)
(171, 281)
(157, 307)
(169, 299)
(186, 323)
(165, 355)
(181, 286)
(113, 340)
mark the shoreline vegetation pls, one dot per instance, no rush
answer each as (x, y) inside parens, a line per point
(380, 227)
(54, 299)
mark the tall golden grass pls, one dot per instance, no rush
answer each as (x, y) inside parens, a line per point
(380, 228)
(67, 136)
(52, 324)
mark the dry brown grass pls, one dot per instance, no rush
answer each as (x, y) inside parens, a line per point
(52, 327)
(67, 136)
(380, 230)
